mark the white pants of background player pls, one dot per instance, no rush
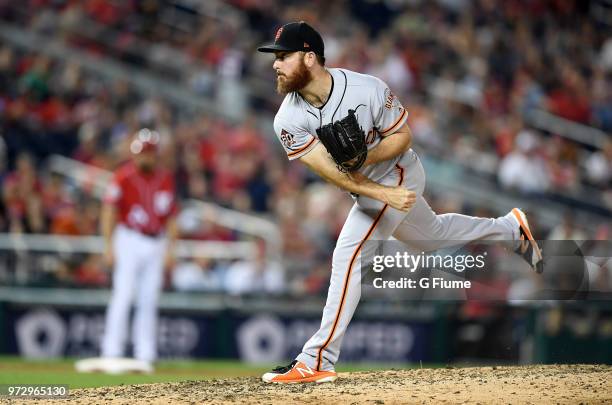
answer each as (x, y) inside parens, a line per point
(420, 228)
(138, 275)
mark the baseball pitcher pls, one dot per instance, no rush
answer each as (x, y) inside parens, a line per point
(351, 130)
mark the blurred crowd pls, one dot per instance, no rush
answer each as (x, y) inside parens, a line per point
(469, 73)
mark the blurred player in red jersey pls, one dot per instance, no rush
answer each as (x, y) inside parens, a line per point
(138, 223)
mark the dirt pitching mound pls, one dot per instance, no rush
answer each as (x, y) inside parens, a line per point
(486, 385)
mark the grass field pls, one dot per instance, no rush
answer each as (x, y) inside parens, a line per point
(15, 370)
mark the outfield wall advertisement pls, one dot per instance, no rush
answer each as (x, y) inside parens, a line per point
(541, 334)
(43, 332)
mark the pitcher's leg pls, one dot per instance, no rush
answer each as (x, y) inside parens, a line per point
(343, 294)
(425, 230)
(322, 350)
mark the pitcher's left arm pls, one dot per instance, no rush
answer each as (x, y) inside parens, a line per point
(390, 146)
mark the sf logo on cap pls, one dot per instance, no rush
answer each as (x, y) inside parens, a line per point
(278, 34)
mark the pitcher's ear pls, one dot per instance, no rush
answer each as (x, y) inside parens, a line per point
(310, 59)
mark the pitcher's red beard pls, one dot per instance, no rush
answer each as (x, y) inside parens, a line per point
(297, 81)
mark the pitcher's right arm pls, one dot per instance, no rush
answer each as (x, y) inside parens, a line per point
(319, 161)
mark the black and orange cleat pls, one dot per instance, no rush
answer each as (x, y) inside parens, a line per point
(528, 247)
(298, 372)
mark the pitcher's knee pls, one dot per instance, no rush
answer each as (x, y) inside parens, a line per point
(439, 226)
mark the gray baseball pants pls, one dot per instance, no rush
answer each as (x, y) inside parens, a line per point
(369, 219)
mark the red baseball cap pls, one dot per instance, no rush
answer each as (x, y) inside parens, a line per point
(145, 141)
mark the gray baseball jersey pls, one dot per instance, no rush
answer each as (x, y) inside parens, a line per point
(378, 112)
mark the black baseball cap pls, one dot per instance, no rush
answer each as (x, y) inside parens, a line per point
(296, 36)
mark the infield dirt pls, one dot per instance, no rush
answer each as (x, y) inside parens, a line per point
(553, 384)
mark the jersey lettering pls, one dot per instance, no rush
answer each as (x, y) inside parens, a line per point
(389, 99)
(138, 216)
(143, 202)
(162, 202)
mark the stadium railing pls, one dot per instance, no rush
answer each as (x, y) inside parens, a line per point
(34, 258)
(90, 177)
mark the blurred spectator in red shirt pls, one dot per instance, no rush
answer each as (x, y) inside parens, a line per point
(569, 99)
(21, 196)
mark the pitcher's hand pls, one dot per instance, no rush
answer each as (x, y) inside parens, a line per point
(399, 198)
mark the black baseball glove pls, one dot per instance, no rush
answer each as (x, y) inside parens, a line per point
(345, 142)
